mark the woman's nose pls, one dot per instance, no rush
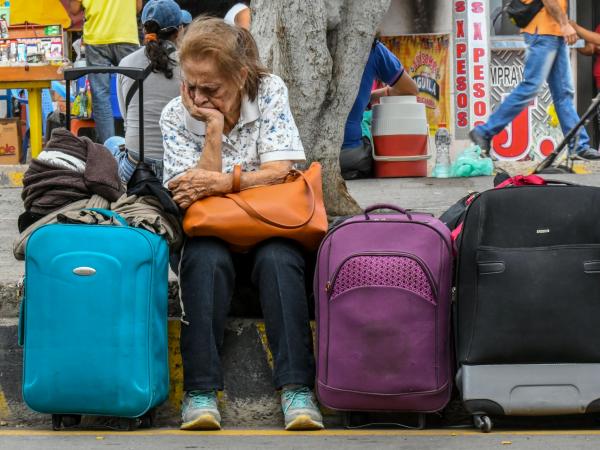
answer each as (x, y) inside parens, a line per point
(198, 98)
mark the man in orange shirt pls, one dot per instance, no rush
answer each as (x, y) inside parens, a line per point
(547, 37)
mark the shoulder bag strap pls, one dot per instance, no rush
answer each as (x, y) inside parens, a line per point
(253, 213)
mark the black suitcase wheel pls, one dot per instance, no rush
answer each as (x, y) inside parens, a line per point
(147, 420)
(127, 424)
(71, 420)
(483, 423)
(56, 421)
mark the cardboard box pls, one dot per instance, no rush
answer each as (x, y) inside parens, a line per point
(10, 141)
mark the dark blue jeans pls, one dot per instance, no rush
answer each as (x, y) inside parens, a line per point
(547, 60)
(207, 276)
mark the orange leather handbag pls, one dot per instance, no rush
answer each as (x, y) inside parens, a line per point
(293, 210)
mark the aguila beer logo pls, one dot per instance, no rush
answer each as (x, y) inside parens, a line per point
(425, 72)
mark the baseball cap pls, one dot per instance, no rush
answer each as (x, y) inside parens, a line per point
(186, 17)
(166, 13)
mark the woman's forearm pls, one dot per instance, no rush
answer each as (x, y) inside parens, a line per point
(211, 158)
(266, 176)
(273, 173)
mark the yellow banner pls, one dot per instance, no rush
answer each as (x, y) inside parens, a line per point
(426, 59)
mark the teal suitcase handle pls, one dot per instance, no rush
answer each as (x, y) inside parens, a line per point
(108, 214)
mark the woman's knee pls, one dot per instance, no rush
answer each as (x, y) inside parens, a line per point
(276, 253)
(205, 253)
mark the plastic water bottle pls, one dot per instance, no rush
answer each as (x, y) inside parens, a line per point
(442, 150)
(83, 106)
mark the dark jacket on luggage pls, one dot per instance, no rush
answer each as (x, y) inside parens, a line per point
(49, 185)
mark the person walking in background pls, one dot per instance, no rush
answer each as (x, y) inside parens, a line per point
(110, 33)
(547, 37)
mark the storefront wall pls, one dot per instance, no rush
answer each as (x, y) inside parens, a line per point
(536, 131)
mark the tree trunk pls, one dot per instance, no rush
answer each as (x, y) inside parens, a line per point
(319, 48)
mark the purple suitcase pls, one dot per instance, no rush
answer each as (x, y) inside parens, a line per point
(383, 292)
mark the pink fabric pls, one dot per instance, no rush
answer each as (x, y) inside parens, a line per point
(393, 271)
(521, 180)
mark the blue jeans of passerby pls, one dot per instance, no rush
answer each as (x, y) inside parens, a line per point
(127, 160)
(104, 55)
(207, 271)
(547, 59)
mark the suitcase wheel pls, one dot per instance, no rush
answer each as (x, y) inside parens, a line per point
(56, 422)
(147, 420)
(60, 421)
(483, 423)
(71, 420)
(127, 424)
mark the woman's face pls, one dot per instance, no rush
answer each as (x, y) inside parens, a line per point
(210, 89)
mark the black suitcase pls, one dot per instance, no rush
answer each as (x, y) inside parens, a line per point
(528, 302)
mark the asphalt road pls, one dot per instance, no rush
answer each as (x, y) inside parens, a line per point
(275, 439)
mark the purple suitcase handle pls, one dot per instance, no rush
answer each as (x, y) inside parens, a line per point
(386, 206)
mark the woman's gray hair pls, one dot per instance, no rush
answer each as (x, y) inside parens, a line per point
(232, 48)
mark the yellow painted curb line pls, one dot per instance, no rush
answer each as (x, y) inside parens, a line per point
(4, 409)
(323, 433)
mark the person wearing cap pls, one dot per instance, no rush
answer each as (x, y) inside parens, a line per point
(186, 18)
(110, 34)
(162, 21)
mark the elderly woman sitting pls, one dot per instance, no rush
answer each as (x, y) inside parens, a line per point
(232, 111)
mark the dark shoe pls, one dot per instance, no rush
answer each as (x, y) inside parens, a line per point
(483, 143)
(588, 154)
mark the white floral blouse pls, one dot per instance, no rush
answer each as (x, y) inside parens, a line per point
(265, 132)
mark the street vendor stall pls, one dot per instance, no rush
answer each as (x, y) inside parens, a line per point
(32, 54)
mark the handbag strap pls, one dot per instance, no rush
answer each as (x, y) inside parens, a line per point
(253, 213)
(237, 178)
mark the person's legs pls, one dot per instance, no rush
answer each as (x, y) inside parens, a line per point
(279, 274)
(120, 51)
(206, 279)
(562, 89)
(357, 162)
(540, 58)
(100, 55)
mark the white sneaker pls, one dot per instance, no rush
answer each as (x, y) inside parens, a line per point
(300, 409)
(199, 411)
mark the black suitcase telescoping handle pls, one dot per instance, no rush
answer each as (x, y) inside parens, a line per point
(134, 73)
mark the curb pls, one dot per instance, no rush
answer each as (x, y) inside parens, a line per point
(12, 175)
(249, 399)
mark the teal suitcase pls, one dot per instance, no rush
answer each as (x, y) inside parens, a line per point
(93, 322)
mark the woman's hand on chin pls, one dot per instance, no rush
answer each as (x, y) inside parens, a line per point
(196, 184)
(211, 116)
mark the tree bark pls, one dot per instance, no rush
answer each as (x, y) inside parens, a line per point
(319, 48)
